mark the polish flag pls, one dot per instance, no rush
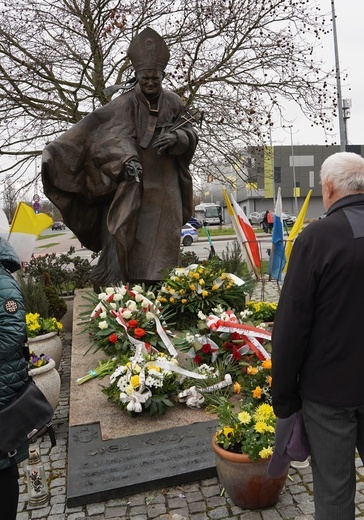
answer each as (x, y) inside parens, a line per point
(247, 232)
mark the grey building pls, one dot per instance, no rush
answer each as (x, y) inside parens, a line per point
(265, 169)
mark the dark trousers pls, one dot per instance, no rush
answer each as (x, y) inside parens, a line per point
(333, 434)
(9, 492)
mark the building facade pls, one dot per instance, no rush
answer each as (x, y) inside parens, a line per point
(296, 170)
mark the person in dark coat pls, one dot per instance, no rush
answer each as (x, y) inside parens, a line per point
(317, 340)
(120, 177)
(13, 368)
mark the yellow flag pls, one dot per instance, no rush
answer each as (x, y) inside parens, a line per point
(297, 226)
(27, 221)
(25, 227)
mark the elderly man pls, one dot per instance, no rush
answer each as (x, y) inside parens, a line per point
(120, 176)
(317, 352)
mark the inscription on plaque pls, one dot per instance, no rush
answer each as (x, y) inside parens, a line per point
(100, 470)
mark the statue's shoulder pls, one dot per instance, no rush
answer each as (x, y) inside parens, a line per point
(172, 96)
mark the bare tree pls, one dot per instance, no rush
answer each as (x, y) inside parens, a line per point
(234, 62)
(10, 198)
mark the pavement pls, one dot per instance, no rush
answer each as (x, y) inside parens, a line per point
(202, 500)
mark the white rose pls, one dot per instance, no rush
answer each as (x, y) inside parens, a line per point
(109, 290)
(131, 305)
(103, 325)
(102, 296)
(126, 314)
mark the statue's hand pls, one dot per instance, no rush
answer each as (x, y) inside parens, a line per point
(133, 170)
(165, 141)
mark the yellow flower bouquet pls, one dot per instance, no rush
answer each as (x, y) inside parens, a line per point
(197, 288)
(250, 429)
(37, 326)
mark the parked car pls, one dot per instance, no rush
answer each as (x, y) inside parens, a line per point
(256, 218)
(188, 234)
(195, 223)
(288, 218)
(58, 226)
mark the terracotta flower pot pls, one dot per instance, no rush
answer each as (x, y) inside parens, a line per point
(49, 344)
(247, 482)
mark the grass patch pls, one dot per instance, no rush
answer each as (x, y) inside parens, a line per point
(222, 231)
(48, 245)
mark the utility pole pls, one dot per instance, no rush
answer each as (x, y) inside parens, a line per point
(343, 142)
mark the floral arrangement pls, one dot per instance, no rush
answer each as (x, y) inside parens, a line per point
(145, 381)
(37, 361)
(259, 311)
(220, 337)
(122, 317)
(37, 326)
(186, 291)
(250, 430)
(258, 382)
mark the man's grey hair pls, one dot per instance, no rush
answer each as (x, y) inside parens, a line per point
(346, 172)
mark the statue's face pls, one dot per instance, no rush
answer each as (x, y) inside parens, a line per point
(150, 81)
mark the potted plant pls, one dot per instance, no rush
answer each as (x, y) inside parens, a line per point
(244, 441)
(43, 371)
(43, 336)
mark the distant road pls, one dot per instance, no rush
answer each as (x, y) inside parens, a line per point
(62, 241)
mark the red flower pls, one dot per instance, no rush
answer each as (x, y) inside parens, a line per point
(139, 333)
(236, 335)
(227, 345)
(113, 338)
(206, 348)
(236, 353)
(132, 324)
(198, 359)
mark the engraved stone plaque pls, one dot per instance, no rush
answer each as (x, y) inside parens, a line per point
(99, 469)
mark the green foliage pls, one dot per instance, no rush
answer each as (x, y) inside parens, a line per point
(66, 272)
(35, 298)
(187, 258)
(57, 307)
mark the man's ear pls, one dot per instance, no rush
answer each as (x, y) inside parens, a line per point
(330, 188)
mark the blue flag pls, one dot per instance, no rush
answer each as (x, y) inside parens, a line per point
(277, 259)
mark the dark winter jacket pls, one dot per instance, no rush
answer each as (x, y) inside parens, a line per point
(13, 366)
(317, 343)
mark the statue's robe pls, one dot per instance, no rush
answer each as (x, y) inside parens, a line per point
(136, 226)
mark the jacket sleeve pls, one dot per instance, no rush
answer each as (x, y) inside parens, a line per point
(291, 330)
(12, 317)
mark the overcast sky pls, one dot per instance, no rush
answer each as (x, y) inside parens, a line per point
(350, 28)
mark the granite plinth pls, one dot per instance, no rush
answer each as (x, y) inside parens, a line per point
(101, 470)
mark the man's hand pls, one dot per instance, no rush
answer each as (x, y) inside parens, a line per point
(165, 141)
(133, 170)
